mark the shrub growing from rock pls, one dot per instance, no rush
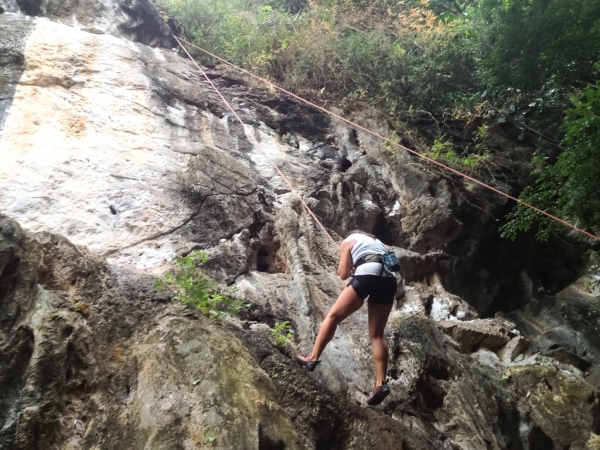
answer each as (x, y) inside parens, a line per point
(193, 287)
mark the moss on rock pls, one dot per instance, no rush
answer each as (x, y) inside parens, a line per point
(565, 407)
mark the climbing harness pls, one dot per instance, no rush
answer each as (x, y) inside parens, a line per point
(366, 130)
(389, 261)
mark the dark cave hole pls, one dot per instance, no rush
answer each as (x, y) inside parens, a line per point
(538, 440)
(433, 192)
(440, 372)
(355, 137)
(30, 7)
(450, 231)
(345, 164)
(263, 260)
(429, 304)
(382, 231)
(268, 442)
(431, 392)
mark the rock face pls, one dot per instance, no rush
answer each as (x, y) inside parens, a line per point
(119, 367)
(94, 357)
(117, 157)
(138, 20)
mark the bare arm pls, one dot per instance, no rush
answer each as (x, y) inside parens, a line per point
(345, 266)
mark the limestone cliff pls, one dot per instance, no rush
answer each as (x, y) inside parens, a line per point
(116, 157)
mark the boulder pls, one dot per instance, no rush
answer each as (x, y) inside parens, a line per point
(492, 334)
(515, 347)
(559, 409)
(567, 357)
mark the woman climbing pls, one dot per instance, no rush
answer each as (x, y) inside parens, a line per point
(361, 257)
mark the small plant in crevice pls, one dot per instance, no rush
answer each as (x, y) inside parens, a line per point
(444, 151)
(80, 306)
(195, 288)
(277, 375)
(388, 147)
(281, 333)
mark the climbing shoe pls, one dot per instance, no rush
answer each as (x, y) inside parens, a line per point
(379, 394)
(304, 361)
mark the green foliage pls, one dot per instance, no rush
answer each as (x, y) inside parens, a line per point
(277, 375)
(245, 31)
(520, 59)
(570, 188)
(281, 333)
(444, 151)
(378, 51)
(436, 53)
(539, 44)
(194, 288)
(447, 7)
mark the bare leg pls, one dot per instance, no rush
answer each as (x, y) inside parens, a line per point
(378, 317)
(347, 303)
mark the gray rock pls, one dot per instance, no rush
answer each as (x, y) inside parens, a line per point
(9, 6)
(145, 165)
(138, 20)
(514, 348)
(492, 334)
(568, 357)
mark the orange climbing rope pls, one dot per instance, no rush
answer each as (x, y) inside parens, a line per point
(259, 146)
(366, 130)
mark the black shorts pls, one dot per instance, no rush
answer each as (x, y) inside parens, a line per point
(378, 289)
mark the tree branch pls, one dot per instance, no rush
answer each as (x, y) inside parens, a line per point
(457, 6)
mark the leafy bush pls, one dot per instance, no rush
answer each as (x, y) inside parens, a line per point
(194, 288)
(379, 51)
(246, 32)
(444, 151)
(497, 60)
(429, 53)
(539, 44)
(570, 188)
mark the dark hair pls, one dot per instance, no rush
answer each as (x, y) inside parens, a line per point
(360, 232)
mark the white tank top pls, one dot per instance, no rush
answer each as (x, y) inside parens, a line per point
(365, 245)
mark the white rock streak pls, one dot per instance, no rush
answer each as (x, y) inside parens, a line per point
(88, 152)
